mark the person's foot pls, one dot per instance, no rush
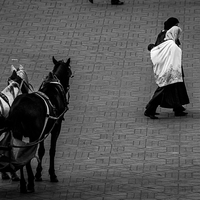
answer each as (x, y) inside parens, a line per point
(151, 116)
(179, 109)
(5, 176)
(183, 109)
(117, 3)
(91, 1)
(179, 114)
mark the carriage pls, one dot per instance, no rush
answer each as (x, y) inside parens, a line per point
(32, 117)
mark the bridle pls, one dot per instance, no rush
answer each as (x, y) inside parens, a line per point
(64, 92)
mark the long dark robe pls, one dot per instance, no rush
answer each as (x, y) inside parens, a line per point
(174, 95)
(161, 37)
(170, 96)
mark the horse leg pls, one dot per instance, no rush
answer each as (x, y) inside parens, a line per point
(14, 176)
(41, 152)
(54, 136)
(22, 181)
(30, 186)
(4, 176)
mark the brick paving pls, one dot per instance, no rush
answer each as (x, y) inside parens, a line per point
(107, 149)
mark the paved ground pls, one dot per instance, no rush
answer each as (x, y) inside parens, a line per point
(107, 149)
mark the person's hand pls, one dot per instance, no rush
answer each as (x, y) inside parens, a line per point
(150, 46)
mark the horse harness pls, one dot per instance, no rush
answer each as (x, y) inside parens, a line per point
(51, 115)
(5, 98)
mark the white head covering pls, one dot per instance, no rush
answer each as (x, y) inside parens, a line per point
(166, 59)
(173, 33)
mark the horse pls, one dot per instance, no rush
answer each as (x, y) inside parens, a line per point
(38, 114)
(17, 83)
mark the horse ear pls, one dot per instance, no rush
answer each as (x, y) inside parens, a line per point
(14, 74)
(68, 61)
(13, 68)
(21, 67)
(54, 60)
(50, 76)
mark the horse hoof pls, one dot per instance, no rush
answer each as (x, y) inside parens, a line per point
(54, 179)
(15, 177)
(31, 190)
(23, 190)
(5, 176)
(38, 179)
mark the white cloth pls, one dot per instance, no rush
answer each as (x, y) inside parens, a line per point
(166, 59)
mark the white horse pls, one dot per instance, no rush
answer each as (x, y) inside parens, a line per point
(17, 83)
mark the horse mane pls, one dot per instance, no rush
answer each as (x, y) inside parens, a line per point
(50, 78)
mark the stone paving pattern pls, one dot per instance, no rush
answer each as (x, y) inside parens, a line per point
(107, 149)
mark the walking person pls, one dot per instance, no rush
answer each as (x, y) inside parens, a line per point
(167, 67)
(169, 23)
(113, 2)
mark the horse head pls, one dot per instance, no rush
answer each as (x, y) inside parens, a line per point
(15, 78)
(56, 84)
(25, 86)
(62, 71)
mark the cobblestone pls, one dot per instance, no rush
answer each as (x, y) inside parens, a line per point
(107, 149)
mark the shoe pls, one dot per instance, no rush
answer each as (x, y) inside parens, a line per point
(156, 113)
(183, 109)
(151, 116)
(117, 3)
(180, 109)
(179, 114)
(91, 1)
(5, 176)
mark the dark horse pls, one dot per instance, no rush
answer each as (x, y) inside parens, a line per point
(17, 83)
(37, 114)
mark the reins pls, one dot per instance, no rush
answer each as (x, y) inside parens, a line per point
(39, 141)
(36, 142)
(28, 85)
(48, 116)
